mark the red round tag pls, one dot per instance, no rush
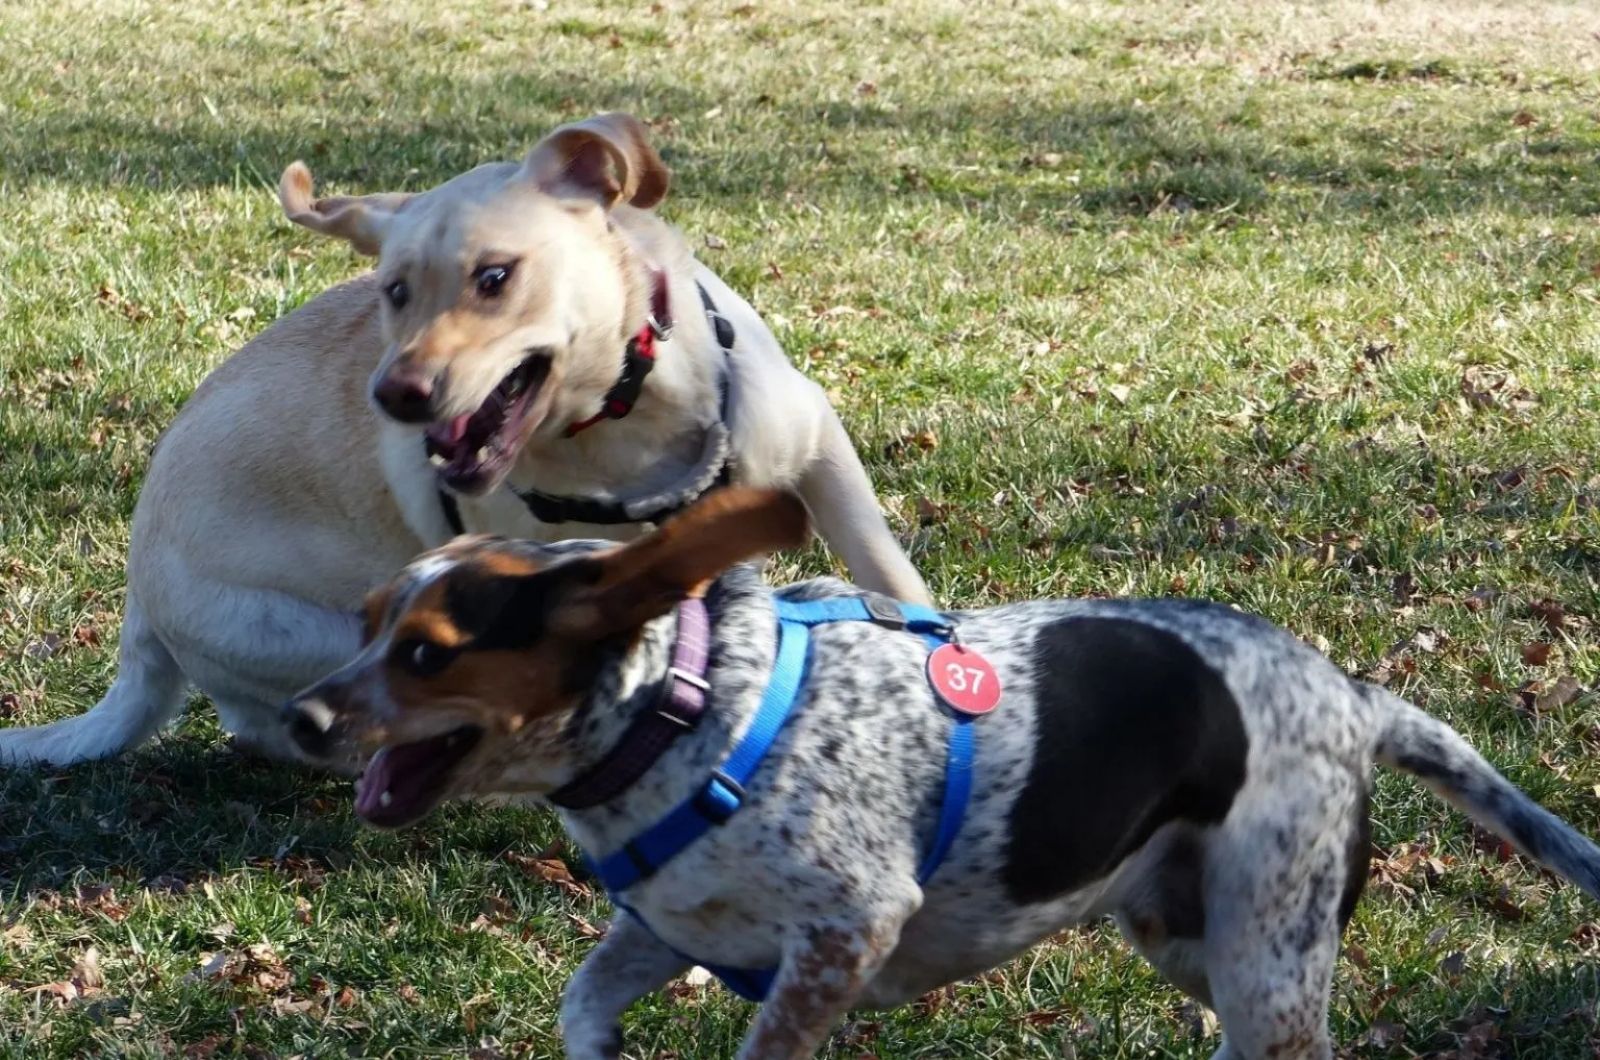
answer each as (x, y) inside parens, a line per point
(963, 679)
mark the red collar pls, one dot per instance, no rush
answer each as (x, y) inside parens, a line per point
(638, 358)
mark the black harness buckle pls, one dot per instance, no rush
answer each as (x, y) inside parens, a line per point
(885, 612)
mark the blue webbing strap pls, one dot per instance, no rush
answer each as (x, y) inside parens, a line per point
(915, 617)
(957, 792)
(724, 791)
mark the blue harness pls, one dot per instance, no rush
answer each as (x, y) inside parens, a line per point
(724, 791)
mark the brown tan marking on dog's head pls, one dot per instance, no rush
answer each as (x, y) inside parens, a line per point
(507, 292)
(482, 650)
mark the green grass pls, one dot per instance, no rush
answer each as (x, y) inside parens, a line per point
(1291, 306)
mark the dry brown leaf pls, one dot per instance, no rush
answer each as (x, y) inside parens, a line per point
(44, 647)
(1551, 613)
(585, 928)
(1384, 1034)
(18, 936)
(1536, 653)
(1503, 906)
(206, 1047)
(929, 513)
(551, 870)
(86, 973)
(102, 899)
(1565, 690)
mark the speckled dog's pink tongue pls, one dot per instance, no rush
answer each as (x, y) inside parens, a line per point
(373, 783)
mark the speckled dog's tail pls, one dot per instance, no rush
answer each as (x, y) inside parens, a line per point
(1437, 755)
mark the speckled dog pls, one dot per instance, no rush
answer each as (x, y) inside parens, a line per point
(1194, 772)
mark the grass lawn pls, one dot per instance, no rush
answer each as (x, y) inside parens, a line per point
(1292, 306)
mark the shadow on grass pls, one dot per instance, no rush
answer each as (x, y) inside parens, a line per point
(173, 815)
(1135, 159)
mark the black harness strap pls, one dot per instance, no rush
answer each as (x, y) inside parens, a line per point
(452, 512)
(550, 508)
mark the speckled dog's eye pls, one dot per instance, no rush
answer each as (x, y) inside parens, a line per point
(424, 658)
(398, 294)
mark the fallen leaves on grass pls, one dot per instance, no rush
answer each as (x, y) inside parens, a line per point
(43, 647)
(1564, 691)
(585, 927)
(110, 298)
(16, 936)
(1551, 613)
(1484, 388)
(85, 980)
(929, 512)
(257, 969)
(547, 865)
(101, 899)
(1406, 868)
(1538, 698)
(1384, 1034)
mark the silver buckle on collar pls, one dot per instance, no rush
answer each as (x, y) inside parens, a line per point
(661, 331)
(689, 678)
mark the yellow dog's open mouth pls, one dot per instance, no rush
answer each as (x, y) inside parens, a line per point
(471, 452)
(405, 782)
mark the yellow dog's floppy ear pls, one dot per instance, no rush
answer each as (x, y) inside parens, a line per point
(361, 220)
(608, 157)
(646, 578)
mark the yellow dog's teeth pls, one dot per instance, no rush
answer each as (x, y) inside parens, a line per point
(483, 453)
(437, 459)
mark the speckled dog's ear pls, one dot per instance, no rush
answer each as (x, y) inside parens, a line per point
(648, 577)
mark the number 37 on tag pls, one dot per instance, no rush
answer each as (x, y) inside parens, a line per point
(964, 679)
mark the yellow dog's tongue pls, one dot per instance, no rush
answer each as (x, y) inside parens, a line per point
(450, 432)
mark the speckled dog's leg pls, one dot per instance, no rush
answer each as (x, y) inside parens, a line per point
(1274, 883)
(628, 963)
(822, 974)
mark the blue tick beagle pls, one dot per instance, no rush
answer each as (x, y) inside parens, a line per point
(838, 801)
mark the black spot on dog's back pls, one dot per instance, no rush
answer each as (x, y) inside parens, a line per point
(1134, 731)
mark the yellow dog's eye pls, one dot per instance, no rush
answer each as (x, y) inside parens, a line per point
(489, 279)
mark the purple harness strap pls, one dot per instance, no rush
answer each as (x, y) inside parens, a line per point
(652, 732)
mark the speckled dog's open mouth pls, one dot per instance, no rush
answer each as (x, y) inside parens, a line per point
(473, 451)
(403, 783)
